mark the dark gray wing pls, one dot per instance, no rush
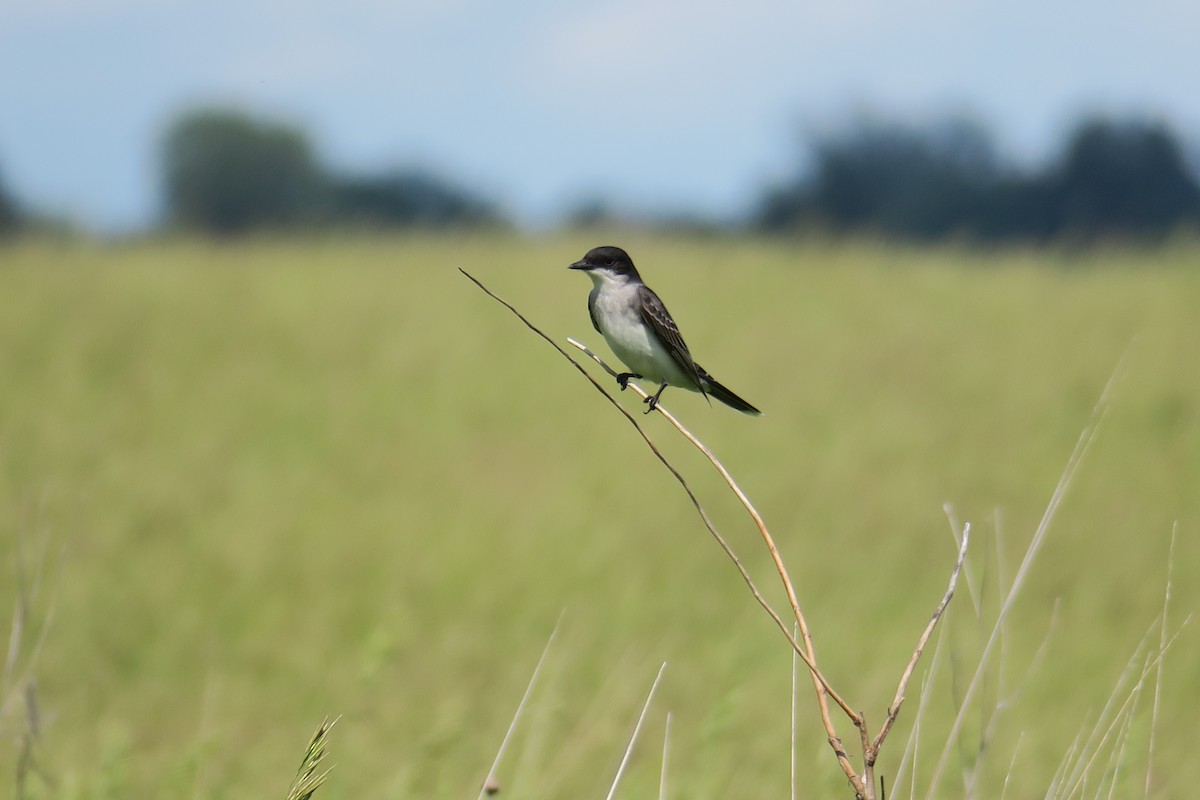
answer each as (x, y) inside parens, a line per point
(654, 313)
(592, 310)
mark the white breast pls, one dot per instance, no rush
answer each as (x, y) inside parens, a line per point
(618, 312)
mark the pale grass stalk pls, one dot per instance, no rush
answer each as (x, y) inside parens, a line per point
(662, 778)
(1002, 656)
(912, 788)
(1124, 709)
(1011, 765)
(1099, 732)
(490, 785)
(1001, 554)
(1082, 446)
(1117, 756)
(1064, 764)
(612, 790)
(1162, 639)
(1005, 700)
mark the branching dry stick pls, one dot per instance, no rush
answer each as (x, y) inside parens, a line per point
(806, 651)
(870, 748)
(863, 785)
(762, 529)
(871, 753)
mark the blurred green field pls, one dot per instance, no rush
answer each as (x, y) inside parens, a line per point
(330, 476)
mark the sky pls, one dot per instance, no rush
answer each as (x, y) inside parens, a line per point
(665, 105)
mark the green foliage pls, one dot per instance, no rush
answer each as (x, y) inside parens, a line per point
(228, 173)
(1115, 178)
(1125, 178)
(330, 476)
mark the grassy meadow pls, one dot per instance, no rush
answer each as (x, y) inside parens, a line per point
(245, 486)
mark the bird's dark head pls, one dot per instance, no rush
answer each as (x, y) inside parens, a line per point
(609, 260)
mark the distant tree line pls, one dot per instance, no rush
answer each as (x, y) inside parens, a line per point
(1114, 178)
(228, 173)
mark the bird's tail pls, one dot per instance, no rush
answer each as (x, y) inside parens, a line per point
(712, 387)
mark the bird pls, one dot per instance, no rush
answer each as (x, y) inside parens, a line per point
(641, 332)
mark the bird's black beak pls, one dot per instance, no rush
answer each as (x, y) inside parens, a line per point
(580, 265)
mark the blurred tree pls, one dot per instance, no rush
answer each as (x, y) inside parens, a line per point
(227, 173)
(406, 198)
(1124, 177)
(1018, 206)
(10, 212)
(890, 178)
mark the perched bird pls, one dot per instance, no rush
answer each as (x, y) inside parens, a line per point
(641, 333)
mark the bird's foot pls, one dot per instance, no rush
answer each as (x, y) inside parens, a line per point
(652, 401)
(623, 379)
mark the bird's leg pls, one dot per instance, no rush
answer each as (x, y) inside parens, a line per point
(623, 379)
(652, 400)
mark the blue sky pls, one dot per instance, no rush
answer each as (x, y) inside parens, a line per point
(652, 103)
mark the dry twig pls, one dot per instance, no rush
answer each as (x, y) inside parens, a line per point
(863, 785)
(872, 752)
(806, 651)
